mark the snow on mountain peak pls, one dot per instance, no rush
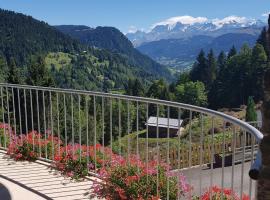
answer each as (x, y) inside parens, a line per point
(186, 20)
(232, 20)
(218, 23)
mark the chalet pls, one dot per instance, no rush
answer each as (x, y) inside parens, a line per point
(163, 125)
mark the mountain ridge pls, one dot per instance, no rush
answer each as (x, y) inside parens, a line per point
(181, 53)
(25, 42)
(188, 26)
(112, 39)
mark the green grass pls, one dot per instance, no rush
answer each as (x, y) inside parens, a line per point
(58, 60)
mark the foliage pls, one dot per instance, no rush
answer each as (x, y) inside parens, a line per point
(251, 114)
(192, 93)
(22, 147)
(134, 179)
(240, 77)
(159, 89)
(217, 193)
(134, 88)
(232, 52)
(5, 132)
(75, 161)
(32, 145)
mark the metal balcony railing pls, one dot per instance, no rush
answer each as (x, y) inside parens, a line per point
(209, 147)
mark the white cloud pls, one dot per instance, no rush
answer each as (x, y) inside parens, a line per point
(265, 14)
(229, 20)
(132, 29)
(188, 20)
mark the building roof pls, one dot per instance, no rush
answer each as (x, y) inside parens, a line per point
(163, 122)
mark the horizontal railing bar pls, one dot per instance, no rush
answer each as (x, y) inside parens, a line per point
(247, 127)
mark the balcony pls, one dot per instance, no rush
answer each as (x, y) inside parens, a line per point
(72, 136)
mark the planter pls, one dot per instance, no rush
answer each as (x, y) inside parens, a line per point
(227, 160)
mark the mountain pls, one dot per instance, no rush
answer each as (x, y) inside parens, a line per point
(22, 36)
(112, 39)
(181, 53)
(71, 63)
(188, 26)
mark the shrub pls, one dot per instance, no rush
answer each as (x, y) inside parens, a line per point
(23, 147)
(216, 193)
(29, 146)
(75, 163)
(134, 179)
(5, 132)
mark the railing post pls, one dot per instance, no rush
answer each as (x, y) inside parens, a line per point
(264, 178)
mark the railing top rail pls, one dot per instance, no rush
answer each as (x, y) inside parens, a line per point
(247, 127)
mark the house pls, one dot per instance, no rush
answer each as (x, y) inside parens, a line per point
(163, 125)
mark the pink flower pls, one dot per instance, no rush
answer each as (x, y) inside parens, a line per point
(91, 166)
(70, 174)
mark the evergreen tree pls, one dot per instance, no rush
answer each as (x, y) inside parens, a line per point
(211, 70)
(129, 87)
(198, 70)
(14, 74)
(183, 78)
(38, 74)
(138, 89)
(159, 89)
(269, 23)
(262, 37)
(251, 114)
(221, 62)
(3, 70)
(232, 52)
(258, 66)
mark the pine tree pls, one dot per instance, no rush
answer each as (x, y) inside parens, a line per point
(232, 52)
(38, 74)
(3, 70)
(198, 70)
(268, 39)
(211, 69)
(251, 114)
(129, 87)
(269, 23)
(221, 62)
(138, 89)
(258, 66)
(263, 40)
(14, 74)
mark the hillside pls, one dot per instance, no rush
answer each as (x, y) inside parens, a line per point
(22, 36)
(112, 39)
(80, 66)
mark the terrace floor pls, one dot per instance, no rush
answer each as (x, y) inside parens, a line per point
(193, 177)
(37, 181)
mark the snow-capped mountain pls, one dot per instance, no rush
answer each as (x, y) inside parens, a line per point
(188, 26)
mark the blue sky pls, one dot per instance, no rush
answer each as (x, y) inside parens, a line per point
(126, 13)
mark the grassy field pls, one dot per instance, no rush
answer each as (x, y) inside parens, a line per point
(58, 60)
(137, 143)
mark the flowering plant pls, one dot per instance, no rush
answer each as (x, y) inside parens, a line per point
(133, 179)
(216, 193)
(75, 161)
(5, 132)
(23, 148)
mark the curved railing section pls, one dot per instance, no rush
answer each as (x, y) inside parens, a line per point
(210, 148)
